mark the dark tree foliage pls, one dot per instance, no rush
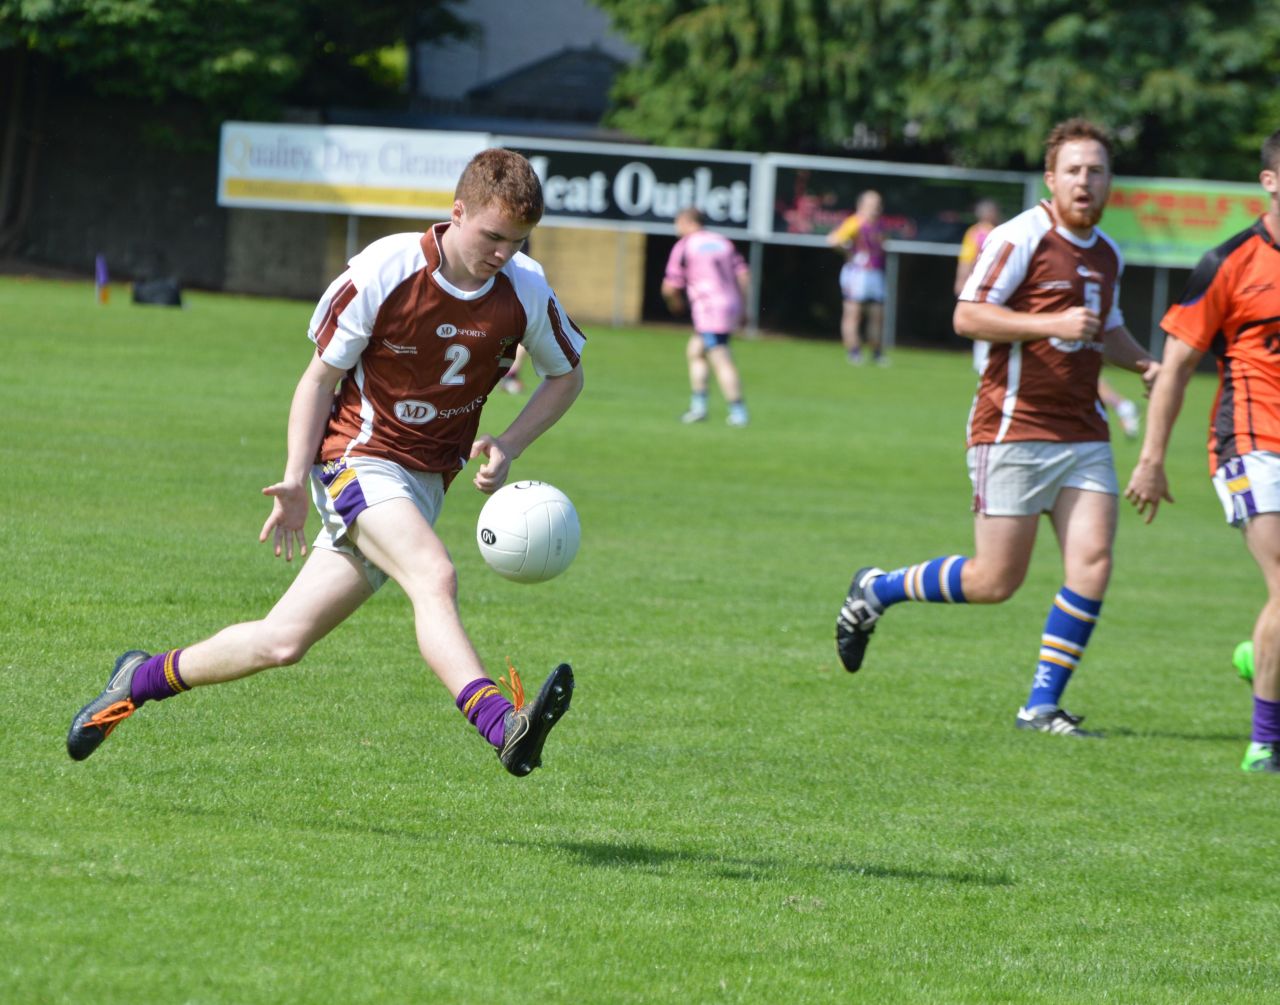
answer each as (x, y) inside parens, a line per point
(1190, 87)
(204, 60)
(235, 57)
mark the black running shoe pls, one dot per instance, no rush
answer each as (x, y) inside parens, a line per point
(857, 620)
(527, 725)
(1057, 721)
(96, 720)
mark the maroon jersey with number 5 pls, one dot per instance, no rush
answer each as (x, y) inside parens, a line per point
(1046, 389)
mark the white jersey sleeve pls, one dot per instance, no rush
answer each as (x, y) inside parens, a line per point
(1006, 255)
(357, 295)
(554, 343)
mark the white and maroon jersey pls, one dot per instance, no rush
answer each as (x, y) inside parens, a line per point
(1045, 389)
(422, 355)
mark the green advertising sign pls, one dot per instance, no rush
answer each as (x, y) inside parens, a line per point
(1159, 221)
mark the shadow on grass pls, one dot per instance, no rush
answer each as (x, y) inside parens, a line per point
(1157, 734)
(631, 855)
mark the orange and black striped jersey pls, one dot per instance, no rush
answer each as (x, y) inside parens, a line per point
(1231, 308)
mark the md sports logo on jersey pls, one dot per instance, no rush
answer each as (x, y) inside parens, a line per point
(450, 331)
(415, 413)
(1063, 345)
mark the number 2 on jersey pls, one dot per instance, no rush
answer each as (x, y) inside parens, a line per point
(458, 356)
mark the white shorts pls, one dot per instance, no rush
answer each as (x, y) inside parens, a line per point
(1024, 478)
(1249, 485)
(861, 284)
(345, 488)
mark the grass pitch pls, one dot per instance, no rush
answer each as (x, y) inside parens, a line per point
(723, 816)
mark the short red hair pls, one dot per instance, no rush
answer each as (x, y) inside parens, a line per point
(1066, 132)
(504, 178)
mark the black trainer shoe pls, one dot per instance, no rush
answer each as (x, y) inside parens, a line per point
(857, 620)
(1057, 721)
(527, 725)
(96, 720)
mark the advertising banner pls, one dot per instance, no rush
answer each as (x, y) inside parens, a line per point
(343, 169)
(922, 205)
(778, 198)
(639, 188)
(1158, 221)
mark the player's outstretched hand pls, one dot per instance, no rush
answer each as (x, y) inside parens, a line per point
(493, 472)
(1148, 487)
(287, 520)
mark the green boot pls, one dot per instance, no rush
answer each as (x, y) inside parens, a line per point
(1261, 757)
(1242, 660)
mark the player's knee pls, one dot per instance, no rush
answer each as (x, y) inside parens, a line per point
(1001, 589)
(438, 582)
(285, 651)
(1093, 573)
(991, 585)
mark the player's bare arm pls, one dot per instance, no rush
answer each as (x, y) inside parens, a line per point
(1121, 349)
(837, 239)
(543, 410)
(674, 297)
(1149, 485)
(308, 413)
(997, 323)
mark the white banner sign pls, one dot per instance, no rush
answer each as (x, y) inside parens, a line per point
(343, 169)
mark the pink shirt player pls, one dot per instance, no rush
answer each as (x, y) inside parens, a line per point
(706, 270)
(711, 272)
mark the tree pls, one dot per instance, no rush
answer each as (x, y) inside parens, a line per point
(233, 56)
(227, 58)
(1188, 86)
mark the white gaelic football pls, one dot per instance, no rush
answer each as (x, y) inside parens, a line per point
(528, 531)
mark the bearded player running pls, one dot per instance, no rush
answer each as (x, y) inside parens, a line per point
(1045, 294)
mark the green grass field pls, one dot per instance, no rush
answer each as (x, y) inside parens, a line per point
(723, 816)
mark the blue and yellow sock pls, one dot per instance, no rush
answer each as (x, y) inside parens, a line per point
(1066, 633)
(936, 581)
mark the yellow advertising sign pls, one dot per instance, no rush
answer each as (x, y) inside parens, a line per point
(343, 169)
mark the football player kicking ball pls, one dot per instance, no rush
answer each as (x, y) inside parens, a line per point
(410, 341)
(1045, 295)
(1231, 307)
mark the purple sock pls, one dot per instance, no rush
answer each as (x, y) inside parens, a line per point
(158, 678)
(485, 708)
(1266, 720)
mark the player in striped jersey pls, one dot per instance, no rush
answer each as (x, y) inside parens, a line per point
(1231, 308)
(409, 342)
(1044, 294)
